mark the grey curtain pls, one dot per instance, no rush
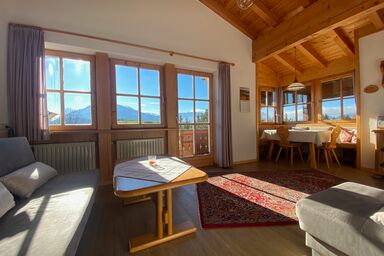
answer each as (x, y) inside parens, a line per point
(25, 80)
(224, 116)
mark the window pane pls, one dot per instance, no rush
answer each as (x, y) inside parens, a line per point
(307, 114)
(127, 110)
(202, 111)
(149, 82)
(348, 87)
(77, 109)
(349, 109)
(126, 80)
(201, 87)
(184, 86)
(289, 113)
(271, 98)
(52, 72)
(264, 114)
(186, 111)
(289, 97)
(150, 111)
(186, 140)
(202, 140)
(53, 106)
(263, 98)
(271, 114)
(304, 95)
(331, 110)
(77, 75)
(331, 89)
(300, 113)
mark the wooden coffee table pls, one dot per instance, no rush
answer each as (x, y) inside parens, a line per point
(128, 187)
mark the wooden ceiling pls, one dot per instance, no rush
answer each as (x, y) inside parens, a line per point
(267, 20)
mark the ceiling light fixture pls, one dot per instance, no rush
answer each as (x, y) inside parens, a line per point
(244, 4)
(295, 85)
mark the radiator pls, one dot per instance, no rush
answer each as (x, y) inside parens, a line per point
(127, 149)
(67, 157)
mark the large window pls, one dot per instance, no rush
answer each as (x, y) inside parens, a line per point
(297, 105)
(137, 94)
(267, 105)
(338, 99)
(194, 114)
(69, 84)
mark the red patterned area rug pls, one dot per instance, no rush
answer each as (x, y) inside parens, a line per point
(257, 198)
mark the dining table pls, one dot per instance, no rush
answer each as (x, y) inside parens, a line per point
(314, 137)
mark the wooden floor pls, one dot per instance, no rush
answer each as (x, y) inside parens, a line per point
(111, 224)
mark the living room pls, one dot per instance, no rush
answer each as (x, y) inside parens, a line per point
(207, 87)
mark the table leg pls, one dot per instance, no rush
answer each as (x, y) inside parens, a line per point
(270, 150)
(159, 214)
(169, 212)
(164, 217)
(312, 155)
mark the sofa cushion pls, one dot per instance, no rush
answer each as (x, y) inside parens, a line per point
(14, 154)
(378, 216)
(27, 179)
(340, 217)
(52, 220)
(6, 200)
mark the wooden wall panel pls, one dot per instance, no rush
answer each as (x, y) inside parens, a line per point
(265, 76)
(105, 158)
(171, 108)
(103, 92)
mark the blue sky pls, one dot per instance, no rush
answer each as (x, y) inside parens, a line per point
(127, 82)
(76, 77)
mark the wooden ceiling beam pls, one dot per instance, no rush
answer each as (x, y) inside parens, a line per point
(312, 54)
(344, 42)
(294, 12)
(288, 63)
(225, 14)
(334, 67)
(376, 20)
(305, 3)
(318, 18)
(264, 13)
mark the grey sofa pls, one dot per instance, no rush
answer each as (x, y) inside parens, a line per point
(52, 221)
(338, 221)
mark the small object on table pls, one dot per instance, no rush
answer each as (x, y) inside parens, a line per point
(152, 160)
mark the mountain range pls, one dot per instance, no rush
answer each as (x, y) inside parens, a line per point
(83, 116)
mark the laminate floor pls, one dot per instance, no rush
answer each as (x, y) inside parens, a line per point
(110, 224)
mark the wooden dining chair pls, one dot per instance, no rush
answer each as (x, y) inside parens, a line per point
(329, 147)
(283, 133)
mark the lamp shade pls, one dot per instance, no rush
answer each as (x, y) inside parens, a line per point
(295, 86)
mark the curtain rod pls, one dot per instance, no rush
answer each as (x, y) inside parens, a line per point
(171, 53)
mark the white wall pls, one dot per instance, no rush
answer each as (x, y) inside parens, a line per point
(372, 105)
(183, 25)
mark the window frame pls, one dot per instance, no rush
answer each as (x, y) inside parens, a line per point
(296, 104)
(138, 65)
(211, 122)
(341, 98)
(275, 107)
(77, 56)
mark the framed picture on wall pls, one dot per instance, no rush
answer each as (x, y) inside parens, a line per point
(245, 105)
(380, 122)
